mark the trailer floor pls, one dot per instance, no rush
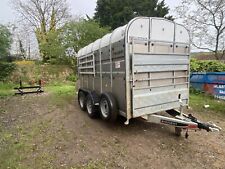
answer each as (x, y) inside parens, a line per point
(42, 132)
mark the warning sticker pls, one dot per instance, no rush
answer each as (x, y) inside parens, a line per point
(117, 64)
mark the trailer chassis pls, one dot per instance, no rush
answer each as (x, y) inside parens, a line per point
(181, 122)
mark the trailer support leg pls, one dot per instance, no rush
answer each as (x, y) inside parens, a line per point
(127, 122)
(186, 134)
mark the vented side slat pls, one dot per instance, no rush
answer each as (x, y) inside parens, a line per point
(87, 64)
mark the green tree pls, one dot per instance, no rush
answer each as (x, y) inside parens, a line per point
(5, 41)
(115, 13)
(53, 47)
(78, 34)
(45, 17)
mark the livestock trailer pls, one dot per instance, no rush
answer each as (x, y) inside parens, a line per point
(138, 70)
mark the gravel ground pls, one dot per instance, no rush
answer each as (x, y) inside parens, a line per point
(57, 134)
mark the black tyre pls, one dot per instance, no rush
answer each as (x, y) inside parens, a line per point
(92, 110)
(82, 100)
(108, 107)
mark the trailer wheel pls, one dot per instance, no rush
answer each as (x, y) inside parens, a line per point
(108, 107)
(178, 131)
(92, 110)
(82, 100)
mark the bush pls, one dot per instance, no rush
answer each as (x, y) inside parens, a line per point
(72, 78)
(207, 66)
(62, 61)
(24, 62)
(6, 70)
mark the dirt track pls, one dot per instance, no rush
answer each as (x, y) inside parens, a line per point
(57, 135)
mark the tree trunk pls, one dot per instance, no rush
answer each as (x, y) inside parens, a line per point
(217, 45)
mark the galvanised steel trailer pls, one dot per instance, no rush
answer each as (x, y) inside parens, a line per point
(138, 70)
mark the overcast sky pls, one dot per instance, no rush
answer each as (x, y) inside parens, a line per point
(77, 7)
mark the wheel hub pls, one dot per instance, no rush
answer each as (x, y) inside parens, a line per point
(104, 108)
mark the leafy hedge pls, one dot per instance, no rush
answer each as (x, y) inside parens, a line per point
(207, 66)
(6, 70)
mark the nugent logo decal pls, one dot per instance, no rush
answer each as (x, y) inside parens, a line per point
(173, 123)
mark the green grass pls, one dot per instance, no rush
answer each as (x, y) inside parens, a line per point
(12, 152)
(13, 147)
(19, 142)
(61, 93)
(61, 89)
(16, 153)
(198, 100)
(6, 89)
(31, 136)
(57, 89)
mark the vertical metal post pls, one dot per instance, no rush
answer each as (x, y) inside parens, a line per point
(93, 60)
(174, 43)
(130, 79)
(39, 82)
(149, 35)
(132, 71)
(86, 75)
(78, 72)
(128, 83)
(174, 80)
(100, 64)
(21, 84)
(174, 37)
(188, 71)
(93, 79)
(132, 63)
(110, 57)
